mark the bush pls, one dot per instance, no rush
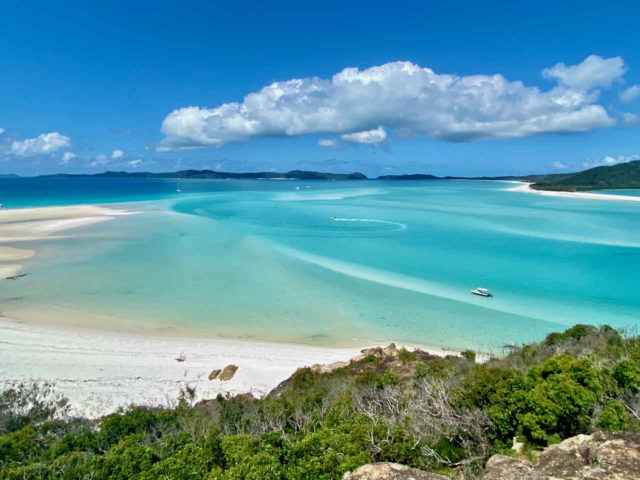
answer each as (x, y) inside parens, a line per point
(613, 417)
(470, 355)
(405, 356)
(627, 374)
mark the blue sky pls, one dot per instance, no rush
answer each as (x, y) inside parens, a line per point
(464, 88)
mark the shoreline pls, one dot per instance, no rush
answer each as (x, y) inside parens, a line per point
(525, 187)
(100, 371)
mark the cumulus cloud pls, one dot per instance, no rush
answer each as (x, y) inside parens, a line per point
(100, 161)
(134, 163)
(593, 71)
(375, 136)
(42, 144)
(629, 118)
(629, 94)
(610, 160)
(67, 157)
(329, 143)
(1, 130)
(407, 100)
(559, 165)
(117, 154)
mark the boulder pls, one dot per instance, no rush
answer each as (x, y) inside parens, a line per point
(227, 373)
(214, 374)
(603, 455)
(390, 471)
(501, 467)
(323, 368)
(375, 351)
(390, 349)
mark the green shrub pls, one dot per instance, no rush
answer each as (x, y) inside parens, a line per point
(405, 356)
(613, 417)
(627, 374)
(470, 355)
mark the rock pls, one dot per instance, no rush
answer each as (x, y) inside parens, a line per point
(375, 351)
(214, 374)
(501, 467)
(611, 456)
(227, 373)
(390, 471)
(390, 349)
(323, 368)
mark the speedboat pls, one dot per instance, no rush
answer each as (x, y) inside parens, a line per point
(483, 292)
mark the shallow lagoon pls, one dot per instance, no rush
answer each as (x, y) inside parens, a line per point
(261, 259)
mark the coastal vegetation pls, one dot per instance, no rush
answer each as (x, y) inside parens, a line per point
(445, 415)
(622, 175)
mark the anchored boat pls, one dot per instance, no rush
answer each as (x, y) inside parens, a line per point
(483, 292)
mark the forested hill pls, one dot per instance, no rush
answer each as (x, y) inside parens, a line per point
(622, 175)
(293, 174)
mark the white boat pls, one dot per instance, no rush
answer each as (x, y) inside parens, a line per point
(483, 292)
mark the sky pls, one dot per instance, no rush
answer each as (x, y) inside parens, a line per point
(447, 88)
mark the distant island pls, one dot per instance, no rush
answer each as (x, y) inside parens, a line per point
(413, 176)
(210, 174)
(620, 176)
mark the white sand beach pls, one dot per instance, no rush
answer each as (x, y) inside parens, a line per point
(100, 371)
(526, 188)
(30, 224)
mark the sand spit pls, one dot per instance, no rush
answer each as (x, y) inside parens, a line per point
(30, 224)
(526, 188)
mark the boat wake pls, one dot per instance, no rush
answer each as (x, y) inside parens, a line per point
(405, 282)
(400, 226)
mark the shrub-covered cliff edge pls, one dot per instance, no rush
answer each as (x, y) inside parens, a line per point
(447, 415)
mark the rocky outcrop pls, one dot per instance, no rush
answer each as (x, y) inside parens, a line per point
(390, 471)
(214, 374)
(611, 456)
(227, 373)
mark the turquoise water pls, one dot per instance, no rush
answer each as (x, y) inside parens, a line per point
(261, 259)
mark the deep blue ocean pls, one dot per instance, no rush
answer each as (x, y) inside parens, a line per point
(268, 260)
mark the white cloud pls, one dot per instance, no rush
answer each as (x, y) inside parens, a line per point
(100, 161)
(610, 160)
(629, 94)
(629, 118)
(559, 165)
(1, 130)
(374, 136)
(593, 71)
(117, 154)
(329, 143)
(67, 157)
(42, 144)
(407, 99)
(134, 163)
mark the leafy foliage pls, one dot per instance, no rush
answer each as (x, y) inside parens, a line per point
(445, 414)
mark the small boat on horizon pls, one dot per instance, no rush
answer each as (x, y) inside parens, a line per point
(483, 292)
